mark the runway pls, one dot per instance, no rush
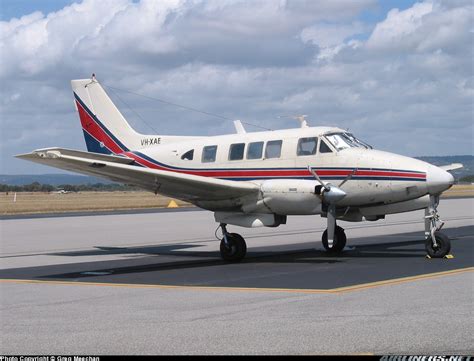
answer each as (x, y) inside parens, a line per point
(154, 283)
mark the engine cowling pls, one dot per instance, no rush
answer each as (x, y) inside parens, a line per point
(291, 196)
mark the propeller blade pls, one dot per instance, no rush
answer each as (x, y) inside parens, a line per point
(331, 217)
(348, 177)
(325, 186)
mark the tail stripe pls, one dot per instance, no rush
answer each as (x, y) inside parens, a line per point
(94, 145)
(99, 131)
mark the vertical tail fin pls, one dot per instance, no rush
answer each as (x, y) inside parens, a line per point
(105, 129)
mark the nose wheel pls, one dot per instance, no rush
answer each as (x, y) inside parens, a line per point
(437, 244)
(233, 247)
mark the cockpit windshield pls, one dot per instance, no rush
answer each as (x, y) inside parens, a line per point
(342, 141)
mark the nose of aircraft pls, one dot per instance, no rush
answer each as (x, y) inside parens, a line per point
(438, 180)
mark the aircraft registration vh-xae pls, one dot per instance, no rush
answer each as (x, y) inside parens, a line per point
(259, 178)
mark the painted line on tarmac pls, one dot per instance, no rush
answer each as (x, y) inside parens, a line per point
(338, 290)
(396, 281)
(104, 212)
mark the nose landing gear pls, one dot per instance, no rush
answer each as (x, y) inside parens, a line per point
(437, 244)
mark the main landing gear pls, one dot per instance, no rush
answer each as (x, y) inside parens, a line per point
(437, 244)
(233, 247)
(338, 243)
(334, 238)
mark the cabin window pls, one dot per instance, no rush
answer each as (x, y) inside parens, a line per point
(189, 155)
(323, 147)
(255, 150)
(307, 146)
(236, 151)
(209, 154)
(273, 149)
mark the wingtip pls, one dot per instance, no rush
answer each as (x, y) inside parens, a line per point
(37, 153)
(24, 155)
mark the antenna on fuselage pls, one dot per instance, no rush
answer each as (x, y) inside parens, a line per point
(239, 128)
(300, 118)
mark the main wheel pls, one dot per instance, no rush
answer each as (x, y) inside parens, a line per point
(443, 245)
(338, 243)
(236, 248)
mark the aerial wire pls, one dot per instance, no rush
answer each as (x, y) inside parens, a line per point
(176, 105)
(133, 110)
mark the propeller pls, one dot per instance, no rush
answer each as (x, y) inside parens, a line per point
(331, 195)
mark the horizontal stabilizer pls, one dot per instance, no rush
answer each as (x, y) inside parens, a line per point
(42, 153)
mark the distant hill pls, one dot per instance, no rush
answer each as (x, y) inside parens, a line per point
(466, 160)
(53, 179)
(58, 179)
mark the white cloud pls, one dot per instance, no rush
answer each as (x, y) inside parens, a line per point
(326, 35)
(8, 27)
(37, 42)
(398, 25)
(425, 27)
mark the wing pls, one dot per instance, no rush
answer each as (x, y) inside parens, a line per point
(120, 169)
(452, 166)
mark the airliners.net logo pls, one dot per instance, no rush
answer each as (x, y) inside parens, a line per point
(427, 358)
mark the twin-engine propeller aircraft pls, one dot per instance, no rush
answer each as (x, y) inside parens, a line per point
(259, 178)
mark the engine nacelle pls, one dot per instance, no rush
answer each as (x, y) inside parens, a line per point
(291, 196)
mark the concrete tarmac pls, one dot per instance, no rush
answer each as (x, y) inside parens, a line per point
(154, 284)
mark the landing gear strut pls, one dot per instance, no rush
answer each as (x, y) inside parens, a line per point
(437, 243)
(334, 238)
(233, 247)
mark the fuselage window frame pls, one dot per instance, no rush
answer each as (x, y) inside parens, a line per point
(236, 151)
(258, 151)
(211, 156)
(301, 152)
(322, 143)
(269, 146)
(188, 156)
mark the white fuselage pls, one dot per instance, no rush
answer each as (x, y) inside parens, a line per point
(379, 178)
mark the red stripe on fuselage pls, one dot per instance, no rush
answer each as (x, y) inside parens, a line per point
(276, 173)
(378, 173)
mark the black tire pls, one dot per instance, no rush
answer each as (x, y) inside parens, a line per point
(235, 250)
(443, 246)
(339, 241)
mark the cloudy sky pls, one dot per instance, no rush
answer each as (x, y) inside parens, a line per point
(399, 74)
